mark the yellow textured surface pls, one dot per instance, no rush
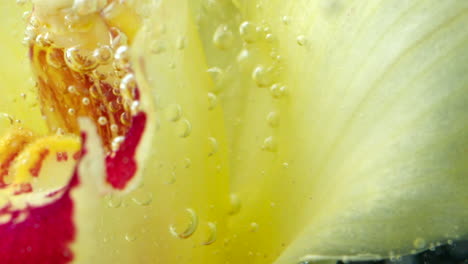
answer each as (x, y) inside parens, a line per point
(16, 81)
(362, 154)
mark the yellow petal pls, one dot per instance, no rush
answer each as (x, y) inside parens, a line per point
(177, 214)
(370, 146)
(347, 161)
(337, 129)
(17, 84)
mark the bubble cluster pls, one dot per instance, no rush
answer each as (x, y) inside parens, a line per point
(84, 79)
(278, 90)
(223, 37)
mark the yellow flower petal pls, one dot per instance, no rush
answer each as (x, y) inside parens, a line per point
(354, 136)
(178, 212)
(283, 132)
(17, 84)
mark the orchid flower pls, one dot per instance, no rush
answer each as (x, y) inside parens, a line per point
(232, 131)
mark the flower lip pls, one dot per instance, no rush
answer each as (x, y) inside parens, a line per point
(39, 172)
(77, 76)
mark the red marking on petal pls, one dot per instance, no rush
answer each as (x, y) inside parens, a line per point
(39, 235)
(56, 193)
(38, 165)
(23, 188)
(77, 155)
(62, 156)
(4, 167)
(122, 166)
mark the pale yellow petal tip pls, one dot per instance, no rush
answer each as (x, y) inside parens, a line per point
(29, 162)
(23, 155)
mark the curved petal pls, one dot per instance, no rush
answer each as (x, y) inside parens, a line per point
(339, 127)
(362, 154)
(177, 213)
(370, 151)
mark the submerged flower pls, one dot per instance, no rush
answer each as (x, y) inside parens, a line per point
(180, 131)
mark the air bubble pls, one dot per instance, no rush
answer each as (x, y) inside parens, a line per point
(79, 60)
(171, 179)
(72, 89)
(122, 58)
(213, 144)
(128, 86)
(223, 37)
(187, 163)
(180, 43)
(248, 32)
(86, 7)
(125, 118)
(191, 227)
(158, 47)
(142, 198)
(254, 227)
(173, 112)
(235, 203)
(286, 20)
(130, 237)
(212, 101)
(99, 75)
(114, 201)
(262, 76)
(269, 144)
(54, 58)
(217, 75)
(43, 40)
(301, 40)
(26, 15)
(94, 91)
(213, 230)
(30, 35)
(243, 59)
(184, 128)
(278, 91)
(102, 120)
(419, 243)
(273, 119)
(103, 54)
(114, 106)
(21, 2)
(71, 111)
(114, 128)
(85, 101)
